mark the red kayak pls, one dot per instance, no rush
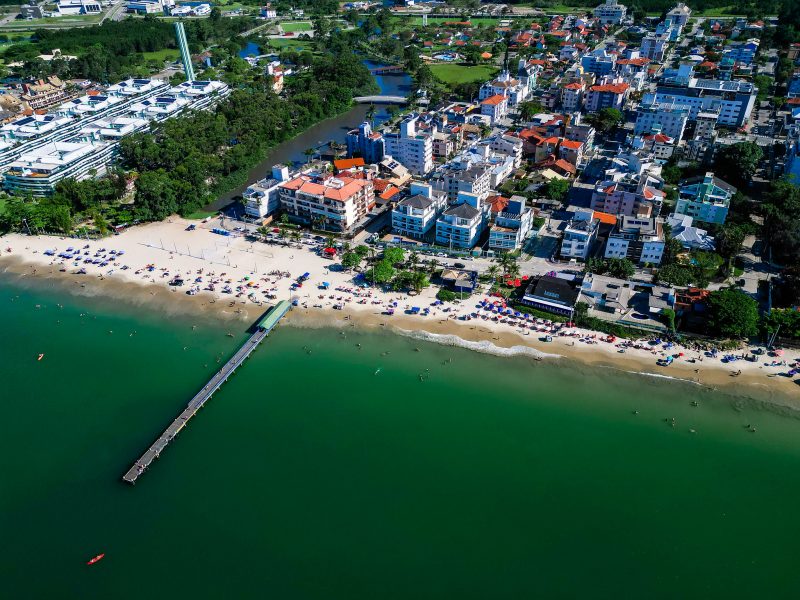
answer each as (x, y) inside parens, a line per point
(97, 558)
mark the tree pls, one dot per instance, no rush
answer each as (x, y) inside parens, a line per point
(781, 212)
(737, 163)
(621, 268)
(729, 243)
(493, 271)
(350, 260)
(309, 152)
(606, 119)
(394, 255)
(381, 272)
(530, 108)
(669, 318)
(732, 313)
(557, 189)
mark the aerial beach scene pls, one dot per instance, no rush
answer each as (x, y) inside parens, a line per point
(400, 299)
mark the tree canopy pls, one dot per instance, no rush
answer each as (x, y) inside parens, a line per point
(732, 313)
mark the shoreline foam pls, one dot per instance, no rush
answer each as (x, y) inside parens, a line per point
(476, 335)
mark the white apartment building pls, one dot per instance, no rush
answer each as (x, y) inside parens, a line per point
(669, 119)
(460, 226)
(505, 85)
(263, 197)
(512, 226)
(654, 47)
(638, 239)
(572, 97)
(732, 100)
(37, 172)
(495, 107)
(680, 15)
(416, 214)
(610, 13)
(579, 235)
(411, 149)
(337, 203)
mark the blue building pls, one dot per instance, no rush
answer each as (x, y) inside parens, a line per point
(366, 143)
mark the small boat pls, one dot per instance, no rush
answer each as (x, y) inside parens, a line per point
(97, 558)
(41, 356)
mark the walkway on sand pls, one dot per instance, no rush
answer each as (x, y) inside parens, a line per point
(265, 325)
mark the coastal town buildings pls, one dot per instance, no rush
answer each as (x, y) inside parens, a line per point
(639, 239)
(413, 149)
(733, 100)
(512, 226)
(415, 215)
(461, 225)
(706, 199)
(610, 12)
(334, 203)
(580, 235)
(262, 198)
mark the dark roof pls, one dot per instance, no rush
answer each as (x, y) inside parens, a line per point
(417, 201)
(554, 289)
(462, 211)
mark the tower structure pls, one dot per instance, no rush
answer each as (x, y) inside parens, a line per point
(186, 58)
(425, 19)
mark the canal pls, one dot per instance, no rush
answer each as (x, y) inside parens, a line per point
(292, 152)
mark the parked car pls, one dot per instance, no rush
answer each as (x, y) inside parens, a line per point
(459, 265)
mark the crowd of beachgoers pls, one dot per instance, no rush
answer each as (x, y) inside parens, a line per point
(237, 272)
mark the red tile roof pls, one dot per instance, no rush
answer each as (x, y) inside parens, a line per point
(494, 100)
(348, 163)
(613, 88)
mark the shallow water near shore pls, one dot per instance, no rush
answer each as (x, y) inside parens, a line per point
(341, 463)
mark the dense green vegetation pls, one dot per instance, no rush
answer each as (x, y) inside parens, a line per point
(187, 161)
(183, 165)
(116, 50)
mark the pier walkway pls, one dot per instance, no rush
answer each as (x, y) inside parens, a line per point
(263, 328)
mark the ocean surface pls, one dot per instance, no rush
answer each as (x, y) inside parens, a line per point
(339, 464)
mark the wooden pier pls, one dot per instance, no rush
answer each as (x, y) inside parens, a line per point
(263, 328)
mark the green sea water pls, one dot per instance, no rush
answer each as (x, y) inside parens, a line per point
(393, 469)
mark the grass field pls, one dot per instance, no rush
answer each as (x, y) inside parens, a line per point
(297, 26)
(171, 54)
(281, 43)
(417, 21)
(51, 22)
(455, 74)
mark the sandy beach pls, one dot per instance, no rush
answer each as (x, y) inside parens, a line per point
(231, 278)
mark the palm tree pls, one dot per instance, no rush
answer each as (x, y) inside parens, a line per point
(370, 114)
(413, 259)
(432, 266)
(295, 236)
(330, 241)
(493, 271)
(309, 152)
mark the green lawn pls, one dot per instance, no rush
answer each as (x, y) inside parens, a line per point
(294, 44)
(171, 54)
(455, 74)
(720, 11)
(52, 22)
(296, 26)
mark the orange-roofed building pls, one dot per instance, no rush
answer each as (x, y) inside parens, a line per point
(336, 203)
(495, 107)
(607, 95)
(571, 151)
(605, 218)
(348, 163)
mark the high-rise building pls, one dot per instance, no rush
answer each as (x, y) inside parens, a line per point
(183, 46)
